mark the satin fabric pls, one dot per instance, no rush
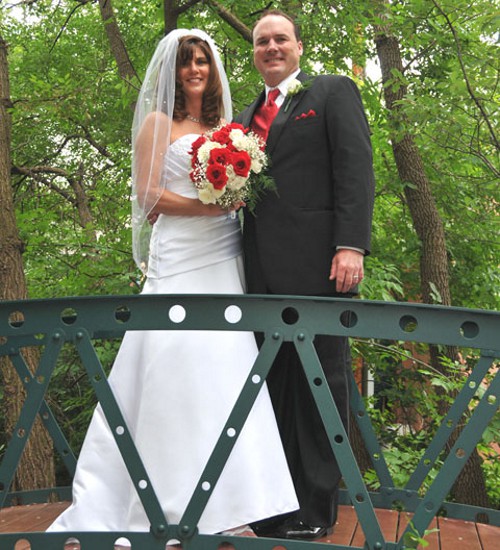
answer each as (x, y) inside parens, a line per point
(176, 390)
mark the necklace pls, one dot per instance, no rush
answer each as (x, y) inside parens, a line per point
(193, 119)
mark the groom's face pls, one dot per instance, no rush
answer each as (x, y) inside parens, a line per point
(276, 50)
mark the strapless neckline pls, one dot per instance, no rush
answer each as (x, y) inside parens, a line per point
(195, 136)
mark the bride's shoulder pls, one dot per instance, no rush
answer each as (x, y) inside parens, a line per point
(154, 125)
(156, 118)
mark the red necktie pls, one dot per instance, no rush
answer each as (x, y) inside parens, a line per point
(264, 115)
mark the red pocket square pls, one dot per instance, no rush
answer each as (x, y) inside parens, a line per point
(310, 113)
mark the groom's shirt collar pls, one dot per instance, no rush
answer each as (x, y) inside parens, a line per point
(283, 87)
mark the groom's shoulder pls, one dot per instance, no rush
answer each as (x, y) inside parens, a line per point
(332, 80)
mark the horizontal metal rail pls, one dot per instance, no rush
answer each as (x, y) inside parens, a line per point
(50, 324)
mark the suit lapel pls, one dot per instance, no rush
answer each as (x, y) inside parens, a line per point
(282, 117)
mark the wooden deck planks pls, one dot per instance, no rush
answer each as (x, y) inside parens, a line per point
(489, 535)
(432, 538)
(455, 534)
(34, 517)
(345, 527)
(388, 520)
(452, 535)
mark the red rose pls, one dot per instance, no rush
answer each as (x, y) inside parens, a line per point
(241, 162)
(197, 144)
(220, 155)
(222, 136)
(236, 126)
(216, 175)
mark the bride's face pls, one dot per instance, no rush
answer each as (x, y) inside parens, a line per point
(194, 73)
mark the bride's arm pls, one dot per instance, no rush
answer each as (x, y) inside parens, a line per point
(149, 167)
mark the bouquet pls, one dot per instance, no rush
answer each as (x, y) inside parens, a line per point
(227, 166)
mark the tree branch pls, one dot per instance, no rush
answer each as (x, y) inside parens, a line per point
(116, 43)
(475, 99)
(37, 172)
(65, 24)
(181, 8)
(232, 20)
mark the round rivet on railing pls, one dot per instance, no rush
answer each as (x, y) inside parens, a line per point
(301, 337)
(429, 506)
(276, 336)
(56, 336)
(460, 453)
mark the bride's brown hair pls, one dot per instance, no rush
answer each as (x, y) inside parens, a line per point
(211, 108)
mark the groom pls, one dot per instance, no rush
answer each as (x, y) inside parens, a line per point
(310, 238)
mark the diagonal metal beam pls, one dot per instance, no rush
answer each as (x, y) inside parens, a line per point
(456, 459)
(60, 442)
(36, 387)
(338, 438)
(121, 433)
(449, 423)
(229, 435)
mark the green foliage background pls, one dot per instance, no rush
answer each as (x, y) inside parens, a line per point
(72, 112)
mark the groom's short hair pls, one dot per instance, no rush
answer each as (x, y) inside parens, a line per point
(265, 13)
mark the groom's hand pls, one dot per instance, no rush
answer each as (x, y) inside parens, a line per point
(347, 269)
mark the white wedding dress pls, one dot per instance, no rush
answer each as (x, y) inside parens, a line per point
(176, 390)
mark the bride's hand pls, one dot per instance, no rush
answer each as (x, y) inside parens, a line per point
(216, 210)
(153, 217)
(232, 211)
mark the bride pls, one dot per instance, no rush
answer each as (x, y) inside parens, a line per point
(176, 389)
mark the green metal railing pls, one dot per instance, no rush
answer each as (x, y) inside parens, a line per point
(50, 324)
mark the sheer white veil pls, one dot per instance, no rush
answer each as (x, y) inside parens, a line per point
(155, 106)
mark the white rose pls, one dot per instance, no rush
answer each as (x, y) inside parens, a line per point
(206, 196)
(209, 195)
(241, 143)
(256, 166)
(236, 135)
(204, 150)
(294, 87)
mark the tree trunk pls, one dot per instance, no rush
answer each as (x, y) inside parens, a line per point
(170, 15)
(470, 487)
(36, 468)
(125, 68)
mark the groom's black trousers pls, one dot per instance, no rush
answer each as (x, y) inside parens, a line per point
(308, 451)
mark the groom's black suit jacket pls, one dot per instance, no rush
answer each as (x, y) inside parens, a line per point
(321, 162)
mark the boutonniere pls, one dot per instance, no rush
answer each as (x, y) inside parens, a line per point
(294, 87)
